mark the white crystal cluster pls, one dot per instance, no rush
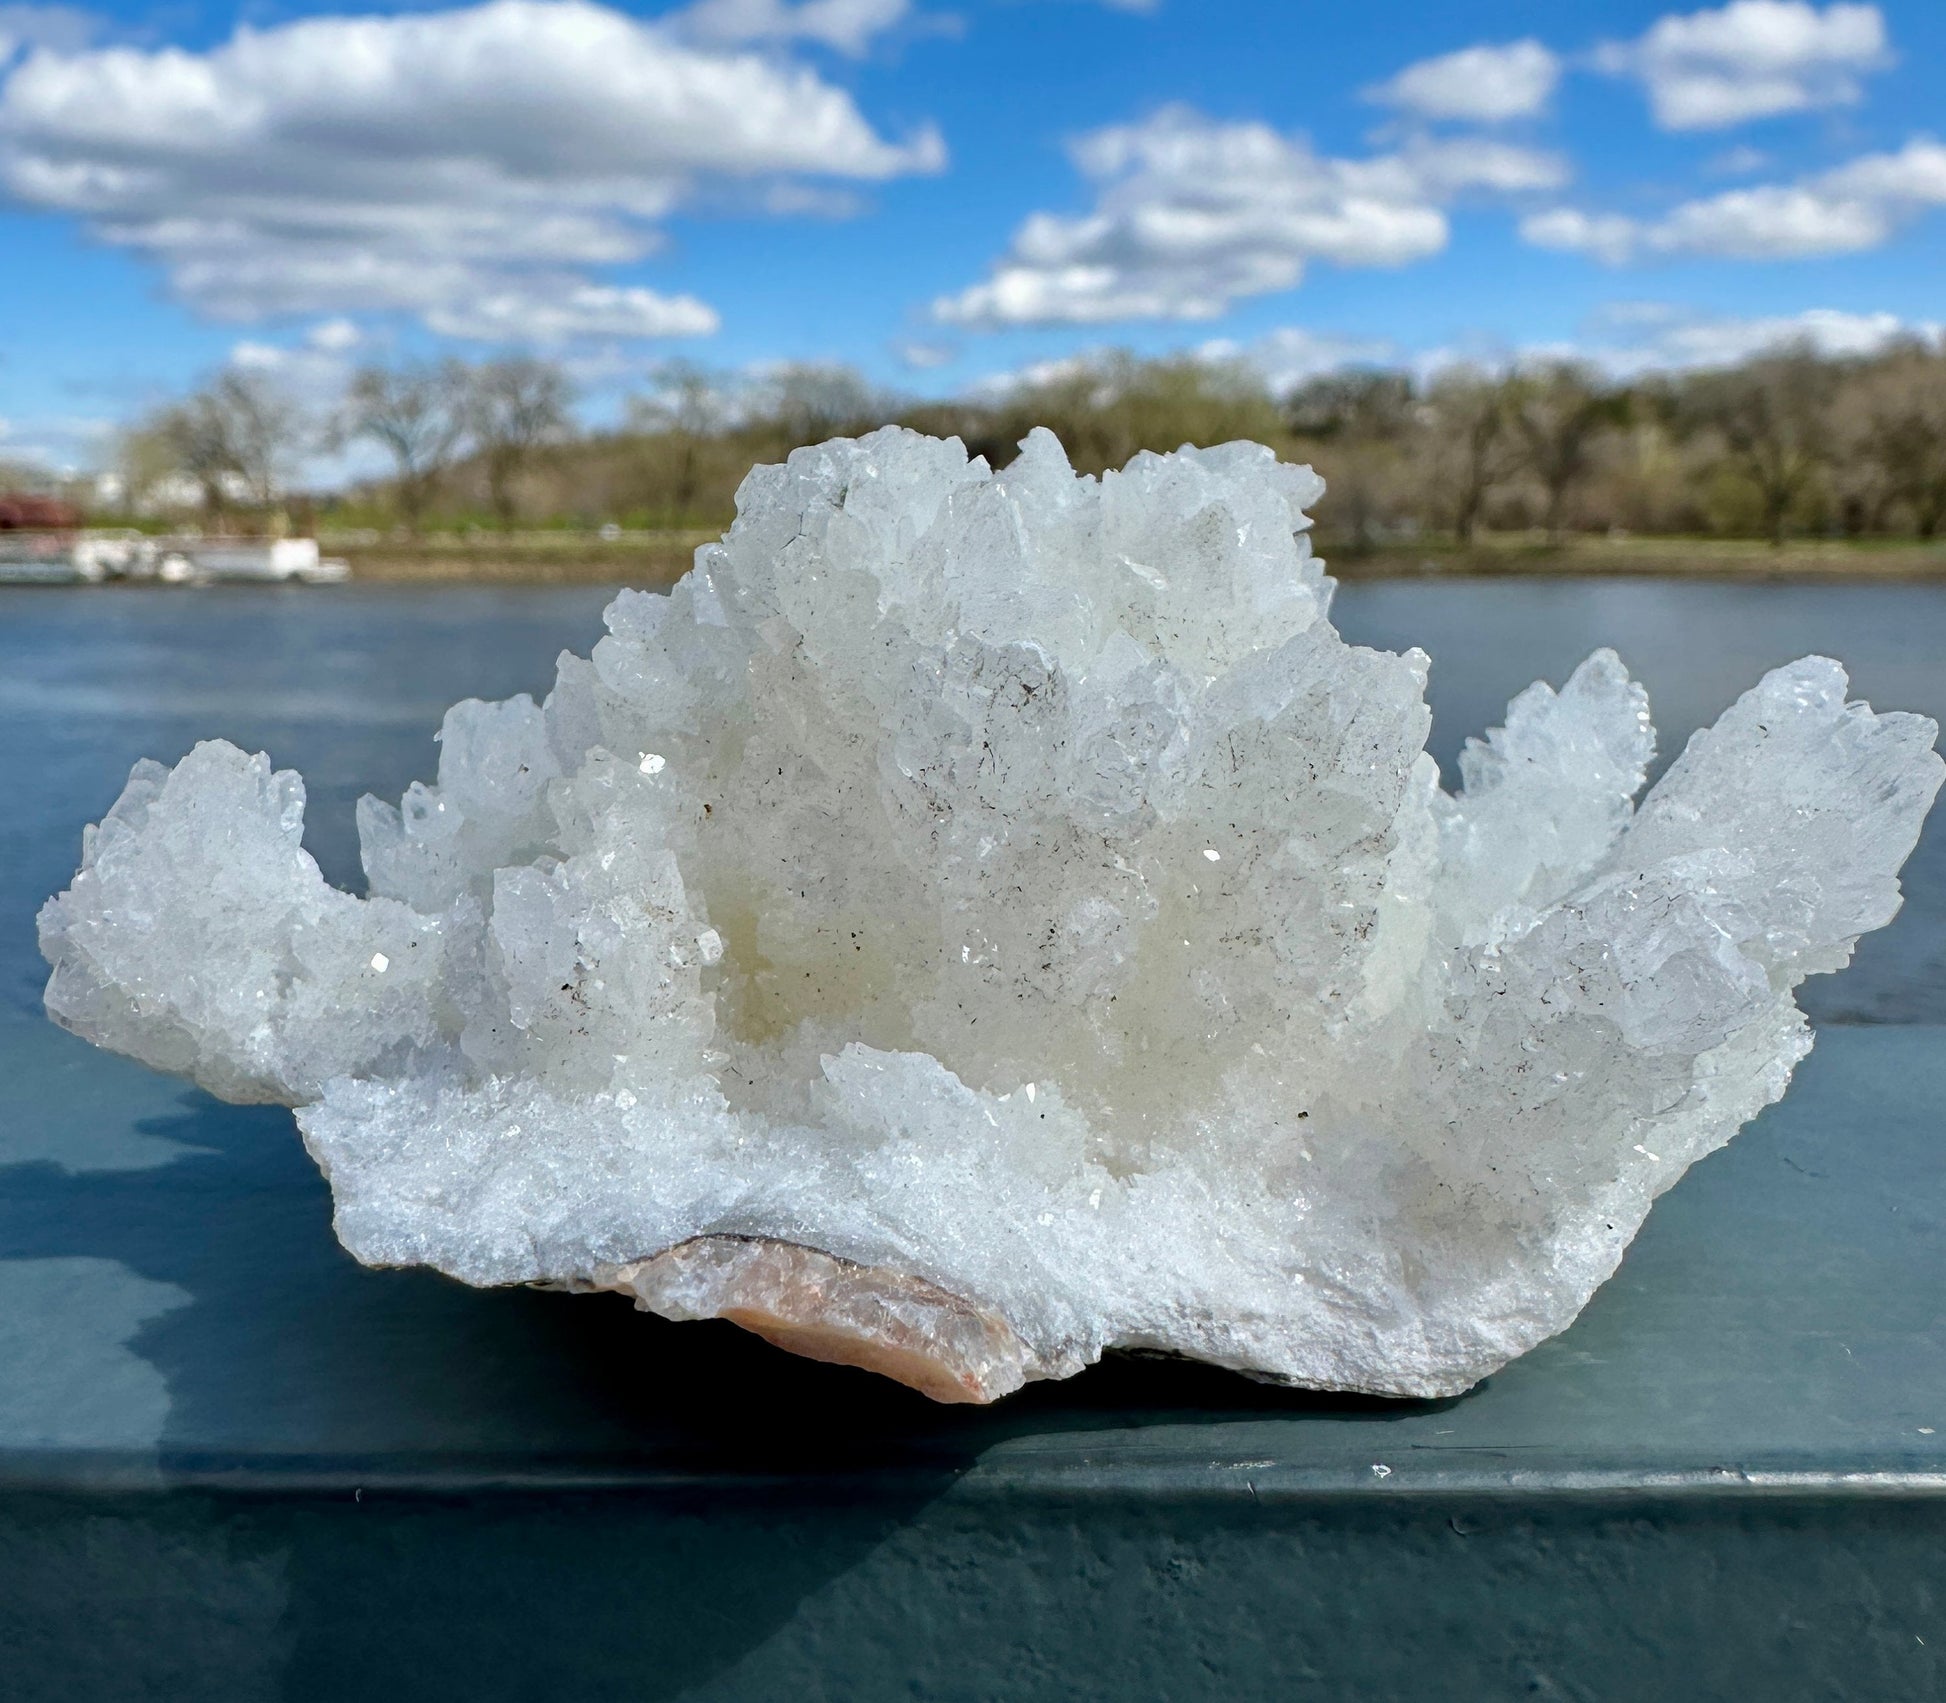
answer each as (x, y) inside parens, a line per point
(1013, 882)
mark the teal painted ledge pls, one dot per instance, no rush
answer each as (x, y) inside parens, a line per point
(233, 1464)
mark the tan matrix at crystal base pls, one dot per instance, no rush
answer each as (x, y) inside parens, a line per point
(830, 1309)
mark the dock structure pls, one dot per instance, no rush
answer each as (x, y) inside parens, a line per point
(66, 557)
(29, 511)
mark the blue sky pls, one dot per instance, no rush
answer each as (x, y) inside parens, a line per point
(945, 192)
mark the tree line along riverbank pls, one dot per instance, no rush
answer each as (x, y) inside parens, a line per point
(654, 559)
(1822, 463)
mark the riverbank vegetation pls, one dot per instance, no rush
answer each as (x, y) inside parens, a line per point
(1545, 465)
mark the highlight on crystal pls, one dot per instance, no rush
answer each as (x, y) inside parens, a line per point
(977, 921)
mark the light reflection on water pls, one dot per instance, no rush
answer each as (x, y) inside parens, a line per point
(347, 684)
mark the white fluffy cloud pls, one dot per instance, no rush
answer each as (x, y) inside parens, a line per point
(846, 25)
(23, 27)
(1190, 215)
(1832, 331)
(1293, 354)
(1739, 161)
(1283, 359)
(314, 368)
(1482, 85)
(467, 166)
(335, 336)
(919, 356)
(1857, 206)
(1638, 337)
(1613, 237)
(1624, 340)
(59, 443)
(1751, 59)
(575, 311)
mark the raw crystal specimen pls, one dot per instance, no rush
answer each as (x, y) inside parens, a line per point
(976, 921)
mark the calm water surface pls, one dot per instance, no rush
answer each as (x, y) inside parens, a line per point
(347, 684)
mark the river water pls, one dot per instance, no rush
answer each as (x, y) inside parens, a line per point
(347, 684)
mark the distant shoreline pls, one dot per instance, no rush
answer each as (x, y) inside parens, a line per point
(656, 560)
(532, 559)
(1668, 558)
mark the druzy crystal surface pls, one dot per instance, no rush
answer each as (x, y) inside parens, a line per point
(979, 920)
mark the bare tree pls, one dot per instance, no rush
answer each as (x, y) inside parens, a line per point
(146, 457)
(514, 406)
(1360, 403)
(1559, 413)
(199, 446)
(265, 426)
(1903, 407)
(690, 405)
(1107, 406)
(1469, 416)
(1772, 417)
(236, 437)
(812, 401)
(417, 414)
(1363, 420)
(1860, 478)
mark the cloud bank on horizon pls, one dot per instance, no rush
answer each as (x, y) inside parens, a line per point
(542, 172)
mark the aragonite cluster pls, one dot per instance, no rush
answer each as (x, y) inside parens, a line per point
(978, 920)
